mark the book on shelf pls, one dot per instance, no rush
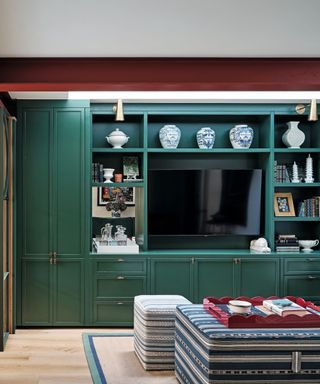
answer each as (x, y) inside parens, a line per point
(285, 307)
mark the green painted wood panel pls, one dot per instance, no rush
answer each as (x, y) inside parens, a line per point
(121, 264)
(214, 278)
(36, 182)
(172, 277)
(258, 277)
(120, 286)
(36, 292)
(69, 181)
(68, 292)
(301, 265)
(113, 313)
(306, 286)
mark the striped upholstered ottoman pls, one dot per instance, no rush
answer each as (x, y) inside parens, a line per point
(209, 353)
(154, 330)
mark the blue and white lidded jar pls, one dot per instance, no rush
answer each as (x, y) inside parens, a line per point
(205, 138)
(169, 136)
(241, 136)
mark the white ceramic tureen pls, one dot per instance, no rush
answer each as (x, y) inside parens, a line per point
(117, 138)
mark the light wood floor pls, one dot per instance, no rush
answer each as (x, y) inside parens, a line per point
(46, 356)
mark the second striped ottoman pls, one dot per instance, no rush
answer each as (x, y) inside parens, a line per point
(154, 330)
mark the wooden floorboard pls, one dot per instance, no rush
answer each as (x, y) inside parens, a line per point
(46, 356)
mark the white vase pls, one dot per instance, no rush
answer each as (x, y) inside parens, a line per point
(205, 138)
(169, 136)
(241, 136)
(293, 136)
(108, 174)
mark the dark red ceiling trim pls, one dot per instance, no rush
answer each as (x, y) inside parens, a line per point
(162, 74)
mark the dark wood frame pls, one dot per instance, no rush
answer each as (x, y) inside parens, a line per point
(163, 74)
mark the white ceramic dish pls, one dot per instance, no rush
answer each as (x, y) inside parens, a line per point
(240, 306)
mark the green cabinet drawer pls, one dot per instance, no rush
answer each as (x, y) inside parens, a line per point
(121, 264)
(120, 286)
(306, 286)
(113, 313)
(301, 265)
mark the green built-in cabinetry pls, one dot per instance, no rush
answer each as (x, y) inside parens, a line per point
(51, 213)
(60, 210)
(222, 275)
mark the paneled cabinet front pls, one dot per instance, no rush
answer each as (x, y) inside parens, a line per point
(116, 281)
(51, 209)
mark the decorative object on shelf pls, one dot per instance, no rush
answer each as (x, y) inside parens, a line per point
(241, 136)
(117, 138)
(118, 177)
(259, 246)
(118, 110)
(308, 244)
(205, 138)
(240, 306)
(109, 194)
(313, 113)
(108, 174)
(293, 136)
(169, 136)
(106, 233)
(309, 207)
(283, 204)
(309, 170)
(120, 236)
(131, 167)
(295, 176)
(117, 206)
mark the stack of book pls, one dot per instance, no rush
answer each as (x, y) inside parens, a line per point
(309, 207)
(97, 173)
(284, 307)
(281, 174)
(287, 243)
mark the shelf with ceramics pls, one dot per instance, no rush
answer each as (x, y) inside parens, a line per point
(294, 133)
(111, 135)
(208, 132)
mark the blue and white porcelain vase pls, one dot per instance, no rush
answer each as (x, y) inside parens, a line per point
(205, 138)
(169, 136)
(241, 136)
(293, 136)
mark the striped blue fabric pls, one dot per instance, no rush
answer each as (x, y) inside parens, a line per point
(206, 352)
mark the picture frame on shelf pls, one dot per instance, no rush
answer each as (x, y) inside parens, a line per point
(131, 167)
(283, 204)
(108, 194)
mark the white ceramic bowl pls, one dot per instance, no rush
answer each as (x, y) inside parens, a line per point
(308, 244)
(240, 306)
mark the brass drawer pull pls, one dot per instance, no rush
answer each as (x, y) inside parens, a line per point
(120, 277)
(312, 277)
(311, 259)
(120, 260)
(119, 303)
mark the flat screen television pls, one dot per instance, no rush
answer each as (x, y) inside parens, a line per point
(208, 202)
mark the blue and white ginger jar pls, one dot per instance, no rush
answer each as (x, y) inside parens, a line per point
(205, 138)
(169, 136)
(241, 136)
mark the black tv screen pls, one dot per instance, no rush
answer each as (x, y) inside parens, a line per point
(207, 202)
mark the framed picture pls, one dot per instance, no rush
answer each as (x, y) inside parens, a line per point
(130, 166)
(109, 194)
(283, 204)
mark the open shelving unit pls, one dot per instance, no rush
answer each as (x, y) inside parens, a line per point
(143, 122)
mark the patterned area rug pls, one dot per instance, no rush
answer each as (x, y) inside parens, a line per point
(112, 360)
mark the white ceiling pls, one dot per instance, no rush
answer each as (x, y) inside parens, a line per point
(159, 28)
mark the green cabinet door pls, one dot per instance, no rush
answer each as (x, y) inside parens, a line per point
(36, 292)
(258, 277)
(172, 276)
(51, 209)
(214, 278)
(306, 286)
